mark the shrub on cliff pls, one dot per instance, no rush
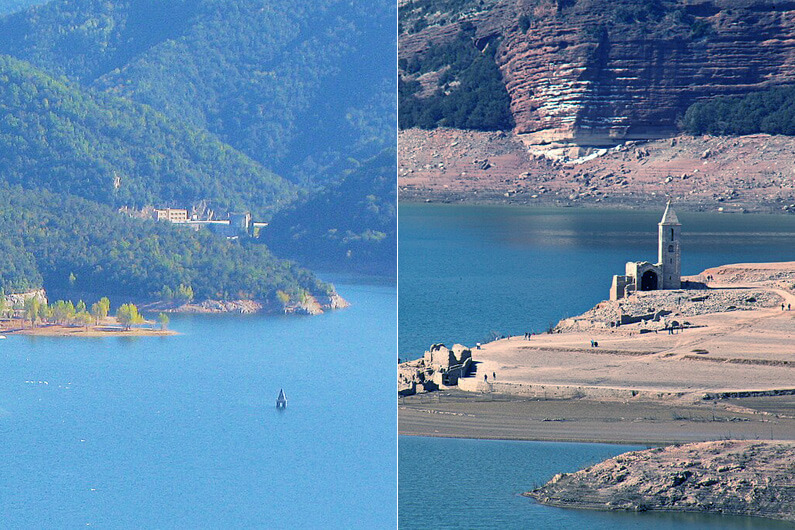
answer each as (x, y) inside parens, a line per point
(470, 94)
(771, 111)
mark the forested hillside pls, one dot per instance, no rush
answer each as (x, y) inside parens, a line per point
(66, 243)
(469, 93)
(238, 105)
(297, 86)
(63, 139)
(770, 111)
(349, 225)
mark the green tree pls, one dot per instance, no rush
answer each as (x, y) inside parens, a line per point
(166, 293)
(32, 309)
(3, 304)
(104, 307)
(128, 315)
(84, 319)
(45, 312)
(162, 318)
(59, 311)
(184, 294)
(81, 307)
(95, 312)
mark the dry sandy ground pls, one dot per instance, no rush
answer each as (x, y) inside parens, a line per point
(496, 416)
(657, 361)
(653, 387)
(748, 173)
(105, 329)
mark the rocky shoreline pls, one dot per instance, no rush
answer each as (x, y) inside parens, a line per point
(742, 478)
(312, 305)
(699, 173)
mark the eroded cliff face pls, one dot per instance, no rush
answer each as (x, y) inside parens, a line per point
(599, 71)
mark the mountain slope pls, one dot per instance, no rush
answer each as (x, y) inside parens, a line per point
(64, 243)
(58, 137)
(285, 82)
(352, 224)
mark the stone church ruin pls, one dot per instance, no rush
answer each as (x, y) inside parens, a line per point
(665, 274)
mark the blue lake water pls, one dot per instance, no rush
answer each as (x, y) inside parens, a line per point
(182, 431)
(466, 271)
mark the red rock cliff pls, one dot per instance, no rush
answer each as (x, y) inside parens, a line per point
(597, 71)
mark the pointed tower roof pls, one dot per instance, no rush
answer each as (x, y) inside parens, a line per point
(669, 217)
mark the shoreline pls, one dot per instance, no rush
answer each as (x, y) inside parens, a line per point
(700, 173)
(623, 204)
(644, 383)
(100, 330)
(457, 414)
(729, 477)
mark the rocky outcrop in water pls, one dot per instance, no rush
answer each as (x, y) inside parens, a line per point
(748, 478)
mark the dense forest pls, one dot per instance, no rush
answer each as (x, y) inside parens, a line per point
(58, 137)
(297, 86)
(67, 243)
(239, 105)
(469, 94)
(770, 111)
(350, 223)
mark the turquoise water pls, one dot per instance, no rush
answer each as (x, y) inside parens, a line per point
(468, 271)
(182, 432)
(473, 484)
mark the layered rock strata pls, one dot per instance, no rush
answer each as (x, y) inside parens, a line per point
(591, 73)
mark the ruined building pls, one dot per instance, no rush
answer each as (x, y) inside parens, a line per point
(665, 274)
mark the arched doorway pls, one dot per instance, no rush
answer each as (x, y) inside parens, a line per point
(648, 282)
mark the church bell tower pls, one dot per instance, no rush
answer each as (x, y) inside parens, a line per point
(669, 253)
